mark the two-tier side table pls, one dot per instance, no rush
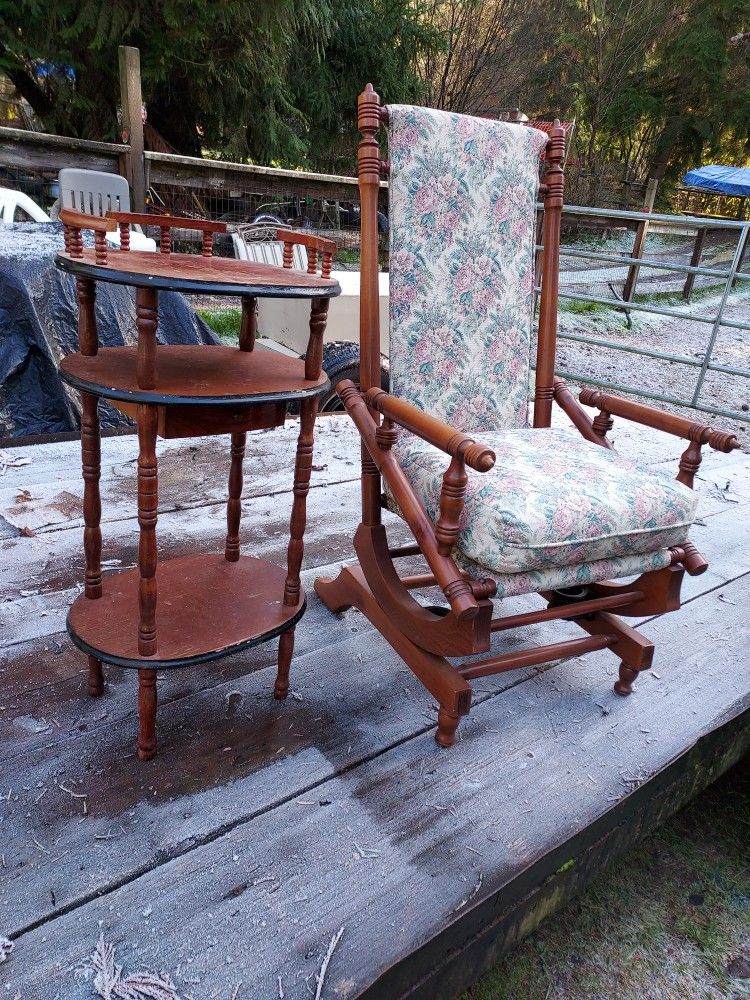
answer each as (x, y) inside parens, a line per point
(197, 607)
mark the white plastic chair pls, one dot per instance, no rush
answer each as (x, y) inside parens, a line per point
(96, 192)
(256, 241)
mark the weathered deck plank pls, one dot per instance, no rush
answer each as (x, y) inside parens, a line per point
(195, 836)
(442, 832)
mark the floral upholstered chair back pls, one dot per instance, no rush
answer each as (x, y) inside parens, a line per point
(462, 223)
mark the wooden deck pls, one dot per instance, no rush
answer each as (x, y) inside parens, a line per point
(262, 828)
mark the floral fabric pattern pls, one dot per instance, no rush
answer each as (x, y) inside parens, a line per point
(462, 195)
(553, 499)
(559, 577)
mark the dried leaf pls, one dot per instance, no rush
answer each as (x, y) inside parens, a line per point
(6, 947)
(109, 982)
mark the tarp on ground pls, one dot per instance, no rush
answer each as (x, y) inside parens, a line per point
(38, 327)
(722, 180)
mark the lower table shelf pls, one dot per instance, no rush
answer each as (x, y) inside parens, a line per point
(206, 608)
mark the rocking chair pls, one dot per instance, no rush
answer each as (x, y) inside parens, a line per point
(556, 512)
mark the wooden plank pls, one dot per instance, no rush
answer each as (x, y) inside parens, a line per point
(41, 575)
(471, 946)
(50, 153)
(396, 849)
(236, 735)
(192, 472)
(44, 687)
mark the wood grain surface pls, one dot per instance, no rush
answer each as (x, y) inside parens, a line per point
(207, 607)
(233, 857)
(189, 272)
(193, 374)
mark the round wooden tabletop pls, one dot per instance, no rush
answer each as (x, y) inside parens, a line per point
(182, 272)
(195, 375)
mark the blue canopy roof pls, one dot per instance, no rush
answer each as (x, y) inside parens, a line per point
(723, 180)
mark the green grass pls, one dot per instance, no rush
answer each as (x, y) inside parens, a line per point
(574, 306)
(224, 322)
(665, 922)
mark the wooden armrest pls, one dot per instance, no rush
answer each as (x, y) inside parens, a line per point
(168, 221)
(80, 220)
(432, 430)
(650, 416)
(306, 240)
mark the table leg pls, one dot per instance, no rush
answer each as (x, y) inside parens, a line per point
(302, 469)
(234, 503)
(92, 514)
(249, 323)
(147, 507)
(314, 355)
(147, 714)
(146, 321)
(88, 338)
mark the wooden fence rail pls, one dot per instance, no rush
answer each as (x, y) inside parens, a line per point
(40, 152)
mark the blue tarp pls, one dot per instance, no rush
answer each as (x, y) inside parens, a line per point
(38, 326)
(723, 180)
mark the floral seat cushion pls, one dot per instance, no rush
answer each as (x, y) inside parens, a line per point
(554, 499)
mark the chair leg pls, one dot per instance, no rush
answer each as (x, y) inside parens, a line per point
(445, 734)
(96, 677)
(147, 713)
(624, 685)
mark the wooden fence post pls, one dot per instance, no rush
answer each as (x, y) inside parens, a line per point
(640, 238)
(131, 101)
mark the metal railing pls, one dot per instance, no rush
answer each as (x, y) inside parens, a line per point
(721, 280)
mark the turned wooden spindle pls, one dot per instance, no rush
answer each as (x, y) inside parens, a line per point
(88, 337)
(624, 683)
(100, 247)
(96, 677)
(249, 323)
(452, 496)
(312, 260)
(287, 259)
(124, 235)
(295, 551)
(146, 320)
(602, 423)
(207, 244)
(314, 355)
(386, 434)
(234, 503)
(690, 462)
(165, 239)
(75, 241)
(147, 703)
(369, 118)
(92, 504)
(547, 337)
(446, 728)
(325, 270)
(92, 513)
(692, 560)
(147, 515)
